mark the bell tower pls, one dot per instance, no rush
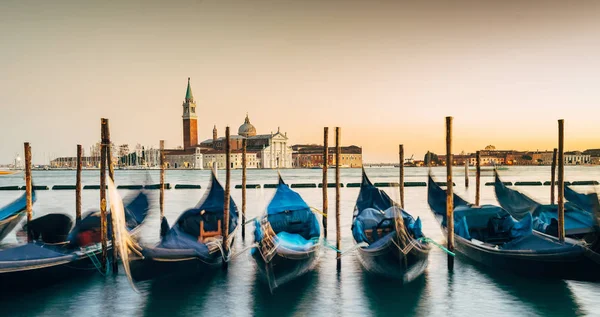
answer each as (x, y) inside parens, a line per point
(190, 119)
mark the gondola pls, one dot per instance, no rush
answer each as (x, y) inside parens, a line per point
(579, 223)
(589, 201)
(287, 238)
(490, 236)
(11, 214)
(193, 245)
(50, 259)
(394, 247)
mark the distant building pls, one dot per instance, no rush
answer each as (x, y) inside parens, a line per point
(71, 162)
(594, 156)
(311, 155)
(577, 158)
(271, 150)
(191, 158)
(235, 159)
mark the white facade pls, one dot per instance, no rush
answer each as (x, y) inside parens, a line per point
(236, 160)
(278, 154)
(577, 158)
(188, 160)
(487, 160)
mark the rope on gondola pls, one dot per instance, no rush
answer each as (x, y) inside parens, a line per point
(92, 256)
(443, 248)
(342, 253)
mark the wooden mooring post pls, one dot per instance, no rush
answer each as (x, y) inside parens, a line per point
(449, 193)
(28, 188)
(78, 185)
(466, 173)
(325, 181)
(225, 223)
(338, 234)
(553, 177)
(244, 145)
(401, 176)
(111, 175)
(561, 180)
(162, 186)
(103, 221)
(477, 177)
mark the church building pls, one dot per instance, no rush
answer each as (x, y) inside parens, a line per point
(263, 150)
(271, 150)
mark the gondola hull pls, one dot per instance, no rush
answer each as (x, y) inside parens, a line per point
(31, 276)
(575, 263)
(285, 265)
(388, 259)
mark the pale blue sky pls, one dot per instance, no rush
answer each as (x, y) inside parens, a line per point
(387, 72)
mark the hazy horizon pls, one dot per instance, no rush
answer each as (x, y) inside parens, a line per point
(386, 72)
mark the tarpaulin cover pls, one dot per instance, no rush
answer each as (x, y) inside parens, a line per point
(212, 205)
(468, 217)
(577, 220)
(374, 208)
(285, 199)
(16, 206)
(136, 211)
(436, 197)
(29, 251)
(588, 202)
(288, 213)
(182, 239)
(295, 242)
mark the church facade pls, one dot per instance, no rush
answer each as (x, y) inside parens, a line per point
(271, 150)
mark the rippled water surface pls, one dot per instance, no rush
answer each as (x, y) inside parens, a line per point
(468, 291)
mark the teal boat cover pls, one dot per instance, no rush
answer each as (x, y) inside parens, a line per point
(296, 226)
(519, 205)
(478, 222)
(587, 201)
(17, 206)
(285, 199)
(376, 210)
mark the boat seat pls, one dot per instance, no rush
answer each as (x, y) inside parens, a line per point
(378, 234)
(499, 230)
(207, 236)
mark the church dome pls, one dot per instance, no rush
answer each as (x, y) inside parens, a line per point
(247, 129)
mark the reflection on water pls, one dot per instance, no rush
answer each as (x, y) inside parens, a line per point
(179, 296)
(292, 298)
(388, 297)
(469, 291)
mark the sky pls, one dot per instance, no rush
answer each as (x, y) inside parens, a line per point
(386, 72)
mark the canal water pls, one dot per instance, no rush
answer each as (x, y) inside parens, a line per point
(468, 291)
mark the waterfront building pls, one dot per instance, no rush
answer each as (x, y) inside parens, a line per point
(211, 156)
(577, 158)
(311, 155)
(191, 158)
(71, 162)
